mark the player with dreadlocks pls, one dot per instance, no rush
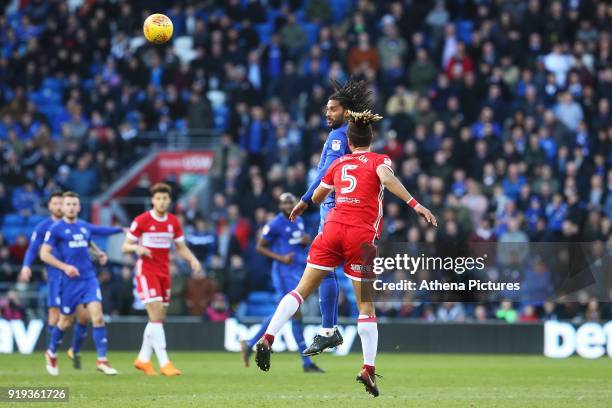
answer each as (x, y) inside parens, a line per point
(350, 96)
(351, 227)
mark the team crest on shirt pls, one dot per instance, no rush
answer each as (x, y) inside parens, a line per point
(83, 230)
(67, 231)
(336, 144)
(170, 228)
(152, 228)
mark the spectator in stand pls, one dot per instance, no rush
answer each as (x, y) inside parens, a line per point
(18, 249)
(26, 199)
(363, 56)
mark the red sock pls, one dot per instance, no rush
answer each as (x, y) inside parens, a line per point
(369, 369)
(269, 338)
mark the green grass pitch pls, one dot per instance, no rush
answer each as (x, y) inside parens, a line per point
(410, 380)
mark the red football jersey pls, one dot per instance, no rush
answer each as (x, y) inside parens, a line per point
(156, 234)
(359, 193)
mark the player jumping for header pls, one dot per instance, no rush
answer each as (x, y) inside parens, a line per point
(150, 237)
(353, 96)
(66, 247)
(352, 226)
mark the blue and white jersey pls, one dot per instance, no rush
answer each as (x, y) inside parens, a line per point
(285, 237)
(70, 242)
(335, 146)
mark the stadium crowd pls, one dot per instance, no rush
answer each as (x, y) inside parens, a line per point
(497, 118)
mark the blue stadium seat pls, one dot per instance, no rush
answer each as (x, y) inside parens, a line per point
(259, 310)
(464, 30)
(272, 14)
(51, 96)
(53, 84)
(261, 298)
(33, 220)
(14, 220)
(221, 116)
(11, 234)
(265, 31)
(312, 32)
(339, 9)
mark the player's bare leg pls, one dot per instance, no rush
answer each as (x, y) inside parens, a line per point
(154, 339)
(368, 332)
(99, 336)
(288, 306)
(79, 333)
(63, 323)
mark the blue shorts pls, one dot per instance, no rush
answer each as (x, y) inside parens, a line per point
(284, 282)
(79, 292)
(53, 292)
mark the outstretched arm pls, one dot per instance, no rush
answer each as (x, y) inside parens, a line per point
(104, 231)
(392, 183)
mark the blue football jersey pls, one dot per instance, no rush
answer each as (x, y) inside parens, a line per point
(36, 241)
(71, 242)
(284, 237)
(335, 146)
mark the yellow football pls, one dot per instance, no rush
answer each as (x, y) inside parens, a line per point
(157, 28)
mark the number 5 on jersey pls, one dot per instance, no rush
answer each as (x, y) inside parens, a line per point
(347, 177)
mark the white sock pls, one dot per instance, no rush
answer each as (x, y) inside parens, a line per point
(158, 341)
(146, 349)
(368, 332)
(287, 307)
(326, 332)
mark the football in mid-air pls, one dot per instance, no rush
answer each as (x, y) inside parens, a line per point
(157, 28)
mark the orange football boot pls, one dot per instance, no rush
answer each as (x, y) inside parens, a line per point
(146, 368)
(169, 370)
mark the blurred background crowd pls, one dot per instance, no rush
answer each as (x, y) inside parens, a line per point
(497, 118)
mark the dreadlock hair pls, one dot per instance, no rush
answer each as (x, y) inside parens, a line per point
(352, 95)
(359, 131)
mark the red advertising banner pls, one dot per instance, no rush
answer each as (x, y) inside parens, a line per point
(177, 163)
(161, 166)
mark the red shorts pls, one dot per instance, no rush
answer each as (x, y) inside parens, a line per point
(340, 243)
(152, 287)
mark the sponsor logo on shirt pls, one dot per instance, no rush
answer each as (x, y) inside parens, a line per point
(78, 241)
(157, 239)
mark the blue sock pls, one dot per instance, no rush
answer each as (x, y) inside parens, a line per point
(99, 337)
(78, 335)
(49, 334)
(56, 339)
(298, 334)
(260, 333)
(328, 301)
